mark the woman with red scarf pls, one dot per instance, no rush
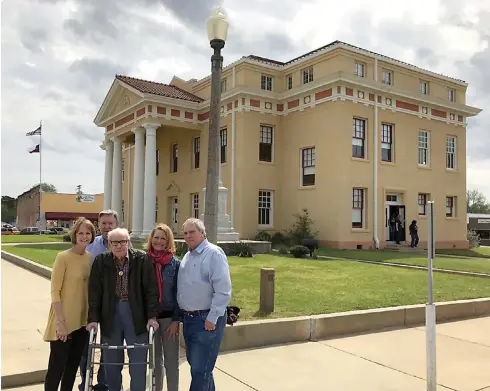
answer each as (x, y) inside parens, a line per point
(160, 247)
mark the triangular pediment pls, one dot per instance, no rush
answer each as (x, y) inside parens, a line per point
(119, 98)
(173, 188)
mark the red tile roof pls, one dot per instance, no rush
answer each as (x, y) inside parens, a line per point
(281, 64)
(151, 87)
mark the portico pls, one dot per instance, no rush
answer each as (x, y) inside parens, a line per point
(154, 168)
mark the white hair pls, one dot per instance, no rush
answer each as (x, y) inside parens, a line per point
(196, 223)
(118, 231)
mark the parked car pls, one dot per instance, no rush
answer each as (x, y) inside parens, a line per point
(10, 230)
(30, 231)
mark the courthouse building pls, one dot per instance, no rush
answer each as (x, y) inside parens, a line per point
(355, 137)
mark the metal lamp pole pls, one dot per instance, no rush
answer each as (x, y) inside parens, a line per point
(217, 32)
(430, 309)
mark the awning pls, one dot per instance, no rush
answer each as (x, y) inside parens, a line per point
(70, 216)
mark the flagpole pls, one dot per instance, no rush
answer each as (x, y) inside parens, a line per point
(40, 168)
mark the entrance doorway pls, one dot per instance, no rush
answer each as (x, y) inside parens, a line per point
(174, 214)
(393, 210)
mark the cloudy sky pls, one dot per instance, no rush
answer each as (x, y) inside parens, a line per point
(59, 58)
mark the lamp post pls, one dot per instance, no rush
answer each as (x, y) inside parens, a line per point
(217, 32)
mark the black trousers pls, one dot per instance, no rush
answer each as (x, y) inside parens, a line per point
(64, 359)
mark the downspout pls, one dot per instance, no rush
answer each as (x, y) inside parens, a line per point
(128, 177)
(375, 162)
(233, 151)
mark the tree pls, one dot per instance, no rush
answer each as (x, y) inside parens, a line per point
(476, 202)
(9, 208)
(46, 187)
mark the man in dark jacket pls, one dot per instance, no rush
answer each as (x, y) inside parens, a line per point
(123, 299)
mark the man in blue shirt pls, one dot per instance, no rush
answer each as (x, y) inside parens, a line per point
(108, 220)
(203, 293)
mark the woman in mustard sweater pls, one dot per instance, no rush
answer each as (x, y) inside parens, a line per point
(67, 318)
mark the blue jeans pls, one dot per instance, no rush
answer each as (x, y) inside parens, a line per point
(124, 331)
(202, 349)
(100, 374)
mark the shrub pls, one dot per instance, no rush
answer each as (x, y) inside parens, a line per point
(302, 228)
(66, 238)
(299, 251)
(283, 251)
(180, 249)
(244, 250)
(473, 238)
(237, 249)
(263, 236)
(279, 238)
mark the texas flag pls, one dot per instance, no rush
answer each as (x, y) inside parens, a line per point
(34, 149)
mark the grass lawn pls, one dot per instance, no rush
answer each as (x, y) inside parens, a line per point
(478, 252)
(31, 238)
(305, 287)
(478, 265)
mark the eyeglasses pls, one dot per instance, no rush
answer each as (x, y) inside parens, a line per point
(119, 242)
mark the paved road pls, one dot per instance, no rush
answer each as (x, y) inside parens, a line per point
(387, 361)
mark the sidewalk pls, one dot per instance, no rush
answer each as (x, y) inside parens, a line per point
(387, 361)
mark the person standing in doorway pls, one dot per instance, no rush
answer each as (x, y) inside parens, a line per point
(203, 294)
(414, 233)
(107, 221)
(67, 318)
(160, 247)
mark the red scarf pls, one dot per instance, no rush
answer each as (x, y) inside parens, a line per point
(160, 258)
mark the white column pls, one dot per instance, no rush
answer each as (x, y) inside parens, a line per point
(117, 176)
(108, 147)
(150, 179)
(138, 182)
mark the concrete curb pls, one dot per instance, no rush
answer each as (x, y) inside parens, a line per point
(269, 332)
(23, 379)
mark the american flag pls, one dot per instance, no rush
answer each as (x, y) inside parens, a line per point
(36, 132)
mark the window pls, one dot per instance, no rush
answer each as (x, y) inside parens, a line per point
(174, 162)
(423, 148)
(450, 203)
(223, 142)
(195, 205)
(422, 203)
(387, 77)
(357, 208)
(265, 144)
(196, 152)
(156, 209)
(358, 138)
(265, 208)
(308, 166)
(307, 75)
(157, 161)
(122, 168)
(424, 87)
(266, 83)
(360, 69)
(451, 152)
(289, 82)
(387, 143)
(223, 86)
(122, 210)
(451, 94)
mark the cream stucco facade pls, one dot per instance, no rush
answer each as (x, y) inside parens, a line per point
(352, 136)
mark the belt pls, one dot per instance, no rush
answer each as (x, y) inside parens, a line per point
(194, 313)
(123, 298)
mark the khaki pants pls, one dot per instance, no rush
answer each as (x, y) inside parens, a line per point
(166, 357)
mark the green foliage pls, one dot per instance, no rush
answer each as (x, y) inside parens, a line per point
(66, 238)
(476, 202)
(180, 249)
(473, 238)
(9, 209)
(46, 187)
(283, 251)
(263, 236)
(299, 251)
(279, 238)
(302, 228)
(237, 249)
